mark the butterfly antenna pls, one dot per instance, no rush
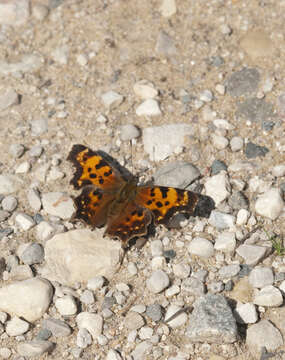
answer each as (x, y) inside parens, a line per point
(132, 164)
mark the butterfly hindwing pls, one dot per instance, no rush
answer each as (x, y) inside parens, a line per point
(164, 202)
(133, 222)
(92, 168)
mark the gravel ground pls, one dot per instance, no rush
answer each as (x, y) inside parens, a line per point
(198, 87)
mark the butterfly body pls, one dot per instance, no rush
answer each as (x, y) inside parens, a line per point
(110, 198)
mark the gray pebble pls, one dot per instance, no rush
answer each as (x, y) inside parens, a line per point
(16, 150)
(193, 286)
(243, 82)
(154, 311)
(218, 166)
(39, 126)
(108, 302)
(58, 327)
(96, 283)
(9, 203)
(261, 276)
(33, 254)
(229, 285)
(129, 132)
(83, 339)
(34, 348)
(43, 334)
(4, 215)
(252, 150)
(157, 282)
(229, 271)
(87, 297)
(36, 151)
(238, 200)
(255, 110)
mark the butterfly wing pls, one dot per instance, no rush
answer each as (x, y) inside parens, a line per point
(164, 202)
(132, 222)
(92, 168)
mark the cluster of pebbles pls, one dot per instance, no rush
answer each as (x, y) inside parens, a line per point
(83, 73)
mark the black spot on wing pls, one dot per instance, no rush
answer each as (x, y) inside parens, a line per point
(164, 191)
(101, 163)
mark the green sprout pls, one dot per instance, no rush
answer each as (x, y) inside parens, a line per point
(277, 243)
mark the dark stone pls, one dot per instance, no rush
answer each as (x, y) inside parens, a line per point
(255, 110)
(244, 270)
(252, 150)
(238, 201)
(44, 334)
(108, 302)
(154, 311)
(169, 254)
(243, 82)
(218, 166)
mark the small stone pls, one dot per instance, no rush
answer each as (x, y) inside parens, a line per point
(229, 271)
(34, 199)
(218, 166)
(149, 107)
(243, 82)
(246, 313)
(113, 355)
(111, 99)
(252, 150)
(221, 221)
(156, 248)
(270, 204)
(4, 215)
(206, 96)
(145, 90)
(263, 334)
(269, 296)
(236, 143)
(261, 276)
(145, 332)
(278, 170)
(34, 348)
(9, 97)
(242, 217)
(193, 286)
(140, 308)
(82, 59)
(87, 297)
(40, 11)
(215, 287)
(9, 203)
(21, 272)
(58, 204)
(90, 321)
(201, 247)
(45, 231)
(141, 350)
(172, 290)
(36, 151)
(16, 150)
(218, 187)
(219, 142)
(23, 168)
(178, 320)
(134, 321)
(44, 334)
(14, 12)
(129, 132)
(157, 282)
(102, 340)
(39, 126)
(61, 54)
(221, 89)
(252, 254)
(132, 269)
(168, 8)
(57, 327)
(154, 311)
(96, 283)
(16, 327)
(66, 305)
(24, 221)
(181, 270)
(5, 353)
(83, 339)
(225, 242)
(33, 254)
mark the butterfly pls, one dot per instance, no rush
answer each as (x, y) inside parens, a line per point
(113, 198)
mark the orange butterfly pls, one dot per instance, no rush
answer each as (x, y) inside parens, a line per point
(110, 197)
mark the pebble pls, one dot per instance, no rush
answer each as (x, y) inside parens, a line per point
(206, 96)
(145, 332)
(17, 150)
(21, 272)
(34, 348)
(176, 174)
(223, 124)
(236, 143)
(242, 217)
(201, 247)
(45, 231)
(193, 286)
(5, 353)
(24, 221)
(23, 168)
(221, 221)
(9, 184)
(80, 255)
(129, 132)
(113, 355)
(219, 142)
(90, 321)
(66, 305)
(87, 297)
(140, 308)
(226, 242)
(278, 170)
(157, 282)
(28, 299)
(161, 141)
(83, 339)
(218, 166)
(112, 99)
(268, 296)
(218, 187)
(178, 320)
(8, 99)
(156, 248)
(263, 334)
(221, 89)
(16, 327)
(172, 290)
(132, 269)
(212, 321)
(82, 59)
(28, 62)
(252, 254)
(40, 11)
(134, 321)
(246, 313)
(256, 111)
(58, 204)
(43, 334)
(229, 271)
(39, 126)
(181, 270)
(168, 8)
(165, 45)
(33, 254)
(215, 287)
(4, 215)
(270, 204)
(9, 203)
(61, 54)
(150, 107)
(243, 82)
(261, 276)
(145, 89)
(154, 311)
(96, 283)
(252, 150)
(36, 151)
(14, 12)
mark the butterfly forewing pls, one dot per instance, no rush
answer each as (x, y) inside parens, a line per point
(93, 169)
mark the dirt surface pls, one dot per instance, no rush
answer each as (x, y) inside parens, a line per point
(118, 42)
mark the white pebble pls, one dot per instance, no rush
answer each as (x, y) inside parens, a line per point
(16, 327)
(157, 282)
(206, 96)
(111, 99)
(278, 170)
(66, 305)
(242, 217)
(236, 143)
(23, 168)
(24, 221)
(219, 142)
(201, 247)
(149, 107)
(270, 204)
(145, 89)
